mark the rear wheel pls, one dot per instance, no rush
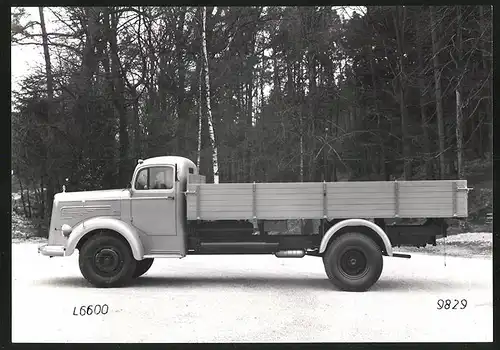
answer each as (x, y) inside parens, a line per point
(353, 262)
(142, 267)
(106, 261)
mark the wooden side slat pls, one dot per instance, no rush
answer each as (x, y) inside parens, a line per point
(349, 191)
(433, 183)
(318, 202)
(262, 192)
(225, 191)
(331, 201)
(224, 197)
(416, 191)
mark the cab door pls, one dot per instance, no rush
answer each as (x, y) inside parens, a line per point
(153, 206)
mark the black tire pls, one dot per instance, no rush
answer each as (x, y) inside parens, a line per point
(106, 261)
(353, 262)
(142, 267)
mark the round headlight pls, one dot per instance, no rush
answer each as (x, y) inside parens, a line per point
(66, 230)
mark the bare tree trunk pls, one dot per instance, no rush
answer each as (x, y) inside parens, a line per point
(38, 201)
(249, 129)
(250, 86)
(111, 22)
(490, 84)
(156, 99)
(135, 105)
(29, 201)
(458, 93)
(182, 106)
(215, 162)
(46, 54)
(421, 85)
(233, 168)
(135, 124)
(50, 119)
(312, 96)
(102, 54)
(489, 101)
(276, 78)
(200, 101)
(399, 27)
(297, 100)
(301, 148)
(335, 160)
(42, 201)
(22, 194)
(262, 72)
(382, 171)
(89, 59)
(439, 102)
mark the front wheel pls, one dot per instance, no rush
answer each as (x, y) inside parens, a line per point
(106, 261)
(353, 262)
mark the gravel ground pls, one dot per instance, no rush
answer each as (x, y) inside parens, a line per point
(252, 299)
(472, 244)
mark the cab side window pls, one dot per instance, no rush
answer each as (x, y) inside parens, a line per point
(161, 178)
(141, 182)
(155, 178)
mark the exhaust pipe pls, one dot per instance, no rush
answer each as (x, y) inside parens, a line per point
(290, 254)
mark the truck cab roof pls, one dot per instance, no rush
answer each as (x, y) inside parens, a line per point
(181, 161)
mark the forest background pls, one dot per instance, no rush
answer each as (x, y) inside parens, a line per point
(266, 94)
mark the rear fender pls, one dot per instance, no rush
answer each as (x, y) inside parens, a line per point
(106, 223)
(355, 222)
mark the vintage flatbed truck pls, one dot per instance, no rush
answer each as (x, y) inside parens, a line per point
(169, 211)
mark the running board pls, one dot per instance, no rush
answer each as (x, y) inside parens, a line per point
(237, 247)
(172, 256)
(399, 255)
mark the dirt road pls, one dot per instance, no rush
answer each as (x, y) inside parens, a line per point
(252, 299)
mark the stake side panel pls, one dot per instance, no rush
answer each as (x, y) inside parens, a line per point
(370, 199)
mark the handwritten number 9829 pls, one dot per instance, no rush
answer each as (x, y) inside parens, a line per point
(455, 304)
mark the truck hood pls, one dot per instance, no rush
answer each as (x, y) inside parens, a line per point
(92, 195)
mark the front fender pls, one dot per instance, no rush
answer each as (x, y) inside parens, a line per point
(356, 222)
(106, 223)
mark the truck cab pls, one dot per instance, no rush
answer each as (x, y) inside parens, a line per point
(145, 220)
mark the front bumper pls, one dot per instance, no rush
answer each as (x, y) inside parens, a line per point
(51, 250)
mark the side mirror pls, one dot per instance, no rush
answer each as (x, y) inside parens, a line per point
(129, 188)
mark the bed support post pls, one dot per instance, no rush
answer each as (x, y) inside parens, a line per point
(197, 191)
(325, 209)
(254, 210)
(396, 199)
(454, 191)
(325, 202)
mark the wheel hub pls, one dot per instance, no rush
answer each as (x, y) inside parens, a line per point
(106, 260)
(353, 262)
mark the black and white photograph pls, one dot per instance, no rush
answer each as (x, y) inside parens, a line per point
(252, 174)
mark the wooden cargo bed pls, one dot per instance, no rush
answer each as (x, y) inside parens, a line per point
(332, 200)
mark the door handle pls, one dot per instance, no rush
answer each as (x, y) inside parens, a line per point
(170, 197)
